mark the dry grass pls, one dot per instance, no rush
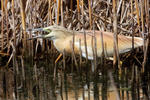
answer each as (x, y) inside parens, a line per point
(127, 17)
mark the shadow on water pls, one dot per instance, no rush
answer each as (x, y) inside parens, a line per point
(39, 81)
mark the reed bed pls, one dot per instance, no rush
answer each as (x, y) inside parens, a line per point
(127, 17)
(97, 15)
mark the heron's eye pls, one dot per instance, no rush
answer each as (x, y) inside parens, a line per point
(48, 30)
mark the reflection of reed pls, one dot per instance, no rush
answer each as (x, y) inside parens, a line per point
(37, 81)
(95, 90)
(7, 84)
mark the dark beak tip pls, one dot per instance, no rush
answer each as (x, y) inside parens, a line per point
(28, 30)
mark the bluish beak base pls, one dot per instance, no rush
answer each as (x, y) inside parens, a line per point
(36, 37)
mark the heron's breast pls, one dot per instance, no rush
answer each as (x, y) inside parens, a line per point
(63, 44)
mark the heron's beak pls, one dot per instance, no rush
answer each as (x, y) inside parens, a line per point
(41, 36)
(46, 29)
(35, 30)
(40, 29)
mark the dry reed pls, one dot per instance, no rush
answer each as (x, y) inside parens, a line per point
(127, 18)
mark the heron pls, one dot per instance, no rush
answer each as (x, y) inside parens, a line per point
(104, 41)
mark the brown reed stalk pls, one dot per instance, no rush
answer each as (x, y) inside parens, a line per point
(12, 54)
(50, 11)
(82, 6)
(73, 53)
(143, 31)
(124, 12)
(80, 52)
(2, 25)
(137, 12)
(95, 48)
(71, 5)
(78, 7)
(93, 61)
(50, 17)
(102, 44)
(142, 19)
(6, 17)
(58, 9)
(85, 44)
(13, 18)
(119, 6)
(55, 69)
(62, 14)
(108, 8)
(147, 6)
(90, 13)
(116, 52)
(142, 15)
(132, 24)
(147, 41)
(72, 48)
(23, 16)
(9, 59)
(122, 15)
(64, 61)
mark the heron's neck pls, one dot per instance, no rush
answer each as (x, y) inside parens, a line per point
(62, 43)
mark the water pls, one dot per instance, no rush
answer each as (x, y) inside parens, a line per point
(41, 80)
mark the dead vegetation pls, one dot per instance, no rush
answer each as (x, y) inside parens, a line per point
(131, 17)
(127, 17)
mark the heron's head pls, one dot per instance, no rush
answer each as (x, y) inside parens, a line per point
(54, 32)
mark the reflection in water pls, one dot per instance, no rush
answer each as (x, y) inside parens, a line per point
(7, 84)
(38, 82)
